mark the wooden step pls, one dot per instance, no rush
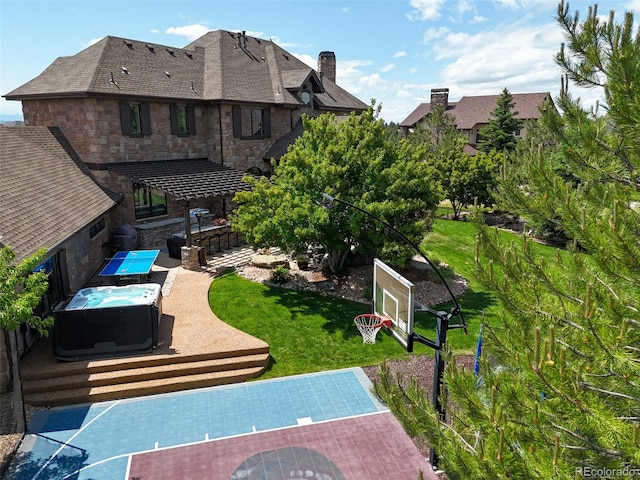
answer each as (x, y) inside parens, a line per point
(151, 372)
(61, 368)
(141, 388)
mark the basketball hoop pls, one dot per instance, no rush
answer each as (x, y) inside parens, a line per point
(369, 324)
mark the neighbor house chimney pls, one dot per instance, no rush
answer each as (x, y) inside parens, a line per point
(327, 65)
(439, 96)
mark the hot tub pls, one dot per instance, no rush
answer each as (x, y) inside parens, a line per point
(99, 321)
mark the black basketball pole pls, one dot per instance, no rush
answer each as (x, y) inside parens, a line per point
(443, 318)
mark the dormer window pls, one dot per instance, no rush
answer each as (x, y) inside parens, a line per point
(305, 97)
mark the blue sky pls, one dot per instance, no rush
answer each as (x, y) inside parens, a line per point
(393, 51)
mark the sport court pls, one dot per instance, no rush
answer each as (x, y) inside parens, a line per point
(321, 426)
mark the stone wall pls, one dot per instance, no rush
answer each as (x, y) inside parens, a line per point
(244, 154)
(154, 234)
(92, 126)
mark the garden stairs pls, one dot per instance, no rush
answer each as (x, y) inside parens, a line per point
(110, 379)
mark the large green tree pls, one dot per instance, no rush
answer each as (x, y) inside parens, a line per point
(464, 179)
(559, 392)
(353, 159)
(504, 126)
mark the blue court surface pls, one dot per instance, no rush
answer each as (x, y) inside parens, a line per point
(105, 441)
(134, 262)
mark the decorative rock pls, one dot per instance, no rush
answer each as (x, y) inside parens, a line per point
(269, 261)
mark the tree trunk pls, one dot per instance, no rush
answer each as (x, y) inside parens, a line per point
(17, 403)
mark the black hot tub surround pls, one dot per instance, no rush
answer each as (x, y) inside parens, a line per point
(103, 321)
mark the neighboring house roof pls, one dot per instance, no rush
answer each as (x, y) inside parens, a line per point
(185, 179)
(47, 194)
(220, 66)
(471, 111)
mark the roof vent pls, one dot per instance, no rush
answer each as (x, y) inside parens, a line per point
(285, 56)
(171, 52)
(151, 48)
(263, 59)
(167, 74)
(124, 70)
(128, 44)
(188, 54)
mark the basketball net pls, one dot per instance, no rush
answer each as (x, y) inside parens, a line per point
(369, 324)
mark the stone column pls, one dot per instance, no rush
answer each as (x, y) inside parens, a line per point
(189, 257)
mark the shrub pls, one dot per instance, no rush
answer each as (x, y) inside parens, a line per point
(280, 274)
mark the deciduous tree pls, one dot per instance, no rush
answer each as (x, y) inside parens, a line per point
(353, 159)
(21, 290)
(463, 178)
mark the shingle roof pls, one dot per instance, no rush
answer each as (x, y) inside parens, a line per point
(471, 111)
(185, 179)
(281, 145)
(219, 66)
(46, 192)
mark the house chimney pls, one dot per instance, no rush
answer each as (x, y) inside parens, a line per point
(439, 96)
(327, 65)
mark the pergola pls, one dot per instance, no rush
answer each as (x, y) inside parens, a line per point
(186, 180)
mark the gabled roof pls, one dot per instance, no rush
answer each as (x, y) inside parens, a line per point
(471, 111)
(220, 66)
(185, 179)
(46, 192)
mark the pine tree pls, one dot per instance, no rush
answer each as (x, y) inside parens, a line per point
(504, 126)
(559, 391)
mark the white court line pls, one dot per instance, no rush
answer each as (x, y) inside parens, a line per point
(64, 444)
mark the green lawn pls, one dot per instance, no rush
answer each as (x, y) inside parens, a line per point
(309, 331)
(306, 331)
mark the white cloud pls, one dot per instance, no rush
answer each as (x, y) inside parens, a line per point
(388, 67)
(425, 9)
(372, 81)
(402, 53)
(525, 4)
(350, 76)
(478, 19)
(190, 32)
(465, 6)
(435, 33)
(307, 59)
(484, 63)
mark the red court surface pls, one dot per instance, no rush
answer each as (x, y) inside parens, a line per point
(368, 447)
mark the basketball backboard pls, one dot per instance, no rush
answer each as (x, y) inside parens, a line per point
(393, 296)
